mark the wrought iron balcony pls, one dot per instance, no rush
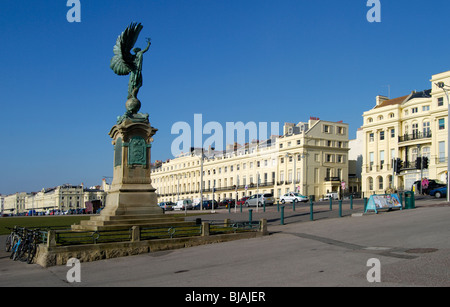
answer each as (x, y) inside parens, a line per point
(332, 179)
(414, 136)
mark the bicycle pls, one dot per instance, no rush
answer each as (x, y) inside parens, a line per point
(17, 242)
(30, 246)
(9, 239)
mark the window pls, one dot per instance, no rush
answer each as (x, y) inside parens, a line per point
(415, 129)
(371, 159)
(426, 152)
(414, 110)
(414, 154)
(425, 108)
(340, 130)
(441, 151)
(426, 129)
(326, 129)
(381, 159)
(441, 124)
(392, 133)
(440, 101)
(371, 137)
(381, 135)
(380, 183)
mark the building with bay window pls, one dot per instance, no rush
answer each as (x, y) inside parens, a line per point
(406, 128)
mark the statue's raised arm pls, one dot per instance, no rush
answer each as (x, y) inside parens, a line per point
(124, 62)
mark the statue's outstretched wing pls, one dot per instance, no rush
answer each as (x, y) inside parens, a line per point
(122, 62)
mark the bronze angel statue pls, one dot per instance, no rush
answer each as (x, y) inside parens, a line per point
(124, 62)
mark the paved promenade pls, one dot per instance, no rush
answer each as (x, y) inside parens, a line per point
(412, 248)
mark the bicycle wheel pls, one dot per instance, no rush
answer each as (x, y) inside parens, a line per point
(8, 243)
(14, 246)
(23, 252)
(19, 250)
(31, 252)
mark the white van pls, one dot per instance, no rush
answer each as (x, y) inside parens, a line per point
(333, 195)
(183, 204)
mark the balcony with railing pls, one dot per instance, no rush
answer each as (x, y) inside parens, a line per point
(414, 136)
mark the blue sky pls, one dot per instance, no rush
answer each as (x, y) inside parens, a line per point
(229, 60)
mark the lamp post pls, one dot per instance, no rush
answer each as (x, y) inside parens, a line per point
(201, 182)
(445, 88)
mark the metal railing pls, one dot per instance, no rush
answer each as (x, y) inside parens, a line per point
(414, 136)
(66, 237)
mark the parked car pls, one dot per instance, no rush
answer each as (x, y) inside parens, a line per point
(241, 202)
(166, 205)
(259, 199)
(184, 204)
(291, 196)
(227, 202)
(432, 184)
(207, 204)
(439, 192)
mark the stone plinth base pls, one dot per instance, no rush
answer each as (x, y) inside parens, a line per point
(111, 222)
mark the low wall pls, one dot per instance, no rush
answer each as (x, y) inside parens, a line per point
(51, 255)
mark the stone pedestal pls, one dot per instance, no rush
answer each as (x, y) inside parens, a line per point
(132, 200)
(131, 190)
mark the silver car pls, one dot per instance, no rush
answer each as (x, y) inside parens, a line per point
(259, 199)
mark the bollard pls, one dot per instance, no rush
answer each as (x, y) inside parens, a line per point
(282, 216)
(241, 208)
(293, 205)
(250, 215)
(331, 203)
(340, 208)
(205, 229)
(351, 202)
(365, 203)
(135, 234)
(278, 206)
(311, 211)
(229, 207)
(264, 204)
